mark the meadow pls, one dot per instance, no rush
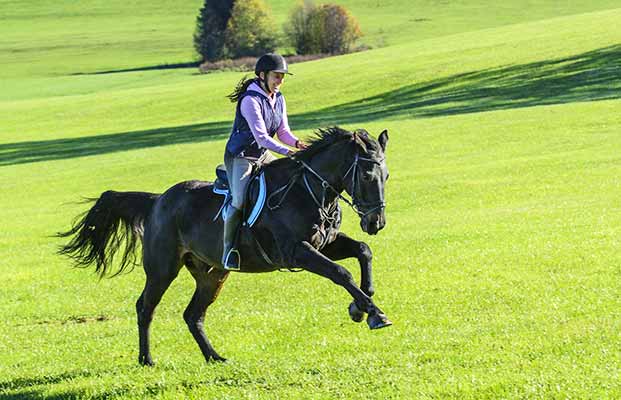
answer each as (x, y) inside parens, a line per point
(499, 265)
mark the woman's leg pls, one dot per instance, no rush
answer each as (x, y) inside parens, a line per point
(238, 170)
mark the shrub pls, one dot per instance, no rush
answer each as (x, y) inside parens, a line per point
(339, 29)
(327, 28)
(210, 28)
(249, 30)
(298, 29)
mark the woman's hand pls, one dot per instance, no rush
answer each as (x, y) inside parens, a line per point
(300, 145)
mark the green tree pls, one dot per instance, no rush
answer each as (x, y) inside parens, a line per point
(210, 28)
(339, 29)
(299, 28)
(327, 28)
(249, 31)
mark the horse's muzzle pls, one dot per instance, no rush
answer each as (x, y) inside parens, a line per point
(374, 222)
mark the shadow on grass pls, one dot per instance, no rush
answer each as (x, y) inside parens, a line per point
(45, 150)
(27, 383)
(191, 64)
(26, 388)
(595, 75)
(31, 394)
(591, 76)
(38, 387)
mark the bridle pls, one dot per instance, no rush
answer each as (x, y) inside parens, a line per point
(361, 208)
(330, 214)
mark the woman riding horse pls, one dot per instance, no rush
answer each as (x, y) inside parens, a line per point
(261, 113)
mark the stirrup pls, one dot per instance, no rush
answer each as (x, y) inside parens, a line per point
(232, 261)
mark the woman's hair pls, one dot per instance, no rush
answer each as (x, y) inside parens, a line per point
(241, 87)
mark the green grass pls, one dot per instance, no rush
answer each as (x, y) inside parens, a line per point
(500, 263)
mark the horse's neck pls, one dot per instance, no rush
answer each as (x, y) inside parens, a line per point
(331, 175)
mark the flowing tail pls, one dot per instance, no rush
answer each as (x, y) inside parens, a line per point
(114, 219)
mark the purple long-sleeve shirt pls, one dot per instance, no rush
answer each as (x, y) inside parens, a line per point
(251, 110)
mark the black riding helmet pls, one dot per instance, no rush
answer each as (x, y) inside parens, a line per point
(271, 62)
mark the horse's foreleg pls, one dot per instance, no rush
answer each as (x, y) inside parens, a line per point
(307, 257)
(208, 285)
(345, 247)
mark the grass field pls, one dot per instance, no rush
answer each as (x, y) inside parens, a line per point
(500, 263)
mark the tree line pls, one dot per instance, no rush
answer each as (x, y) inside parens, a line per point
(228, 29)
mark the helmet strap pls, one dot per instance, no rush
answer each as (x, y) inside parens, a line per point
(263, 82)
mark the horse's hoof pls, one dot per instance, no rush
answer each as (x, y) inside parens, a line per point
(217, 358)
(355, 313)
(378, 320)
(146, 361)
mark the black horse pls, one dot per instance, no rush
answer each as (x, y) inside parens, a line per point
(299, 228)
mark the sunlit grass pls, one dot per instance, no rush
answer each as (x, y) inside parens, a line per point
(499, 264)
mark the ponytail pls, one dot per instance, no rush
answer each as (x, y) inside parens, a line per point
(241, 87)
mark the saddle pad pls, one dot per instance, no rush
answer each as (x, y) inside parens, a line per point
(258, 204)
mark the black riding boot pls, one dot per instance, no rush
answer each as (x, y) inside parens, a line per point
(230, 255)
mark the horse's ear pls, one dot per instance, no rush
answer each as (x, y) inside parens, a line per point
(383, 139)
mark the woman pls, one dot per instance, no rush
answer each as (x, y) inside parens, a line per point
(260, 114)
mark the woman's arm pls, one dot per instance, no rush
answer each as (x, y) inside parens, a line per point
(251, 111)
(284, 132)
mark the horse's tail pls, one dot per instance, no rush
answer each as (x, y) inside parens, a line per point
(114, 219)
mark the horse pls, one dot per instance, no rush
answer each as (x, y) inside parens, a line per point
(299, 229)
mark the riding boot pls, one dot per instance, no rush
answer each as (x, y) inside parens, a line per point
(230, 255)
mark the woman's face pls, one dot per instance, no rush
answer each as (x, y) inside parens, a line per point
(274, 80)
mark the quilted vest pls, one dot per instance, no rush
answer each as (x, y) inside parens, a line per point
(241, 143)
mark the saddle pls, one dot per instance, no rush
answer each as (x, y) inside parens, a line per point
(252, 206)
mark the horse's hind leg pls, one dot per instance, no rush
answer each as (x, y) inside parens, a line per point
(209, 281)
(345, 247)
(159, 278)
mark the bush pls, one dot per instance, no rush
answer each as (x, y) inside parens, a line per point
(249, 30)
(298, 29)
(327, 28)
(210, 28)
(246, 64)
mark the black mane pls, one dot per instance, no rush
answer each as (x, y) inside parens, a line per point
(327, 137)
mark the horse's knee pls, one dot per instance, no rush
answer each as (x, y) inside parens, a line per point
(364, 252)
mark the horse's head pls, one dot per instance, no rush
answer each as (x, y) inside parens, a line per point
(365, 179)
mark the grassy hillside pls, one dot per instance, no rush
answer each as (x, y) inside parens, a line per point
(499, 264)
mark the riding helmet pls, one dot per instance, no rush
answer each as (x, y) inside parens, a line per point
(271, 62)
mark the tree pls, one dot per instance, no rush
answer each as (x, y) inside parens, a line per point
(327, 28)
(299, 30)
(249, 30)
(339, 29)
(210, 28)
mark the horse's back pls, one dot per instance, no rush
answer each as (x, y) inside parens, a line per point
(183, 217)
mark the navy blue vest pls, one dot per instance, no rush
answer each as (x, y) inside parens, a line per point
(241, 142)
